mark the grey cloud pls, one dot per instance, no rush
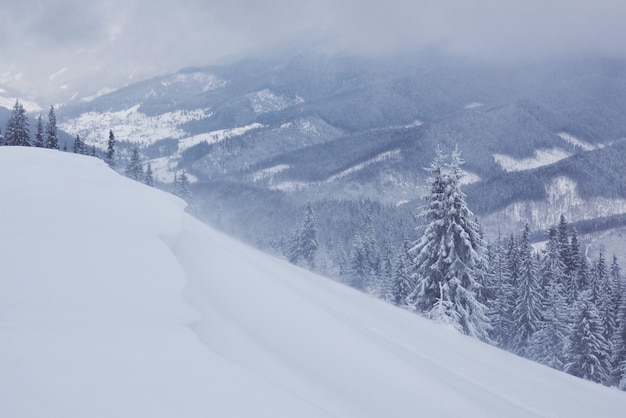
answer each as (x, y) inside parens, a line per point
(109, 39)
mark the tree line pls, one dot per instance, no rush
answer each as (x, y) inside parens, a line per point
(552, 305)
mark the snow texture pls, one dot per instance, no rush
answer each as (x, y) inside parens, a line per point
(115, 303)
(542, 158)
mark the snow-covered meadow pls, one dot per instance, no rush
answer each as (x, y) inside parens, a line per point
(116, 303)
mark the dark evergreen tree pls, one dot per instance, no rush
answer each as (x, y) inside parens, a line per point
(588, 352)
(110, 154)
(603, 296)
(39, 140)
(181, 188)
(449, 258)
(134, 170)
(549, 342)
(304, 246)
(52, 141)
(503, 302)
(17, 132)
(528, 304)
(149, 177)
(386, 279)
(79, 146)
(364, 258)
(403, 283)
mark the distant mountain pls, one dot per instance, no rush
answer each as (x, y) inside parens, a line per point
(333, 127)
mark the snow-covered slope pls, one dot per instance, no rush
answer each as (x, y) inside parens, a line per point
(115, 303)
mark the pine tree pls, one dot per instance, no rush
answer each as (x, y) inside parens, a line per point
(304, 245)
(79, 146)
(528, 304)
(364, 258)
(181, 188)
(39, 141)
(52, 141)
(17, 132)
(148, 178)
(549, 342)
(110, 154)
(402, 281)
(588, 352)
(449, 258)
(619, 345)
(386, 280)
(134, 170)
(501, 308)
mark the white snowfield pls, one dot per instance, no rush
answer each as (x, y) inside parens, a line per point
(115, 303)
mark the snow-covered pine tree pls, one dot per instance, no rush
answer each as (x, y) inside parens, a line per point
(403, 285)
(134, 170)
(502, 305)
(364, 258)
(548, 343)
(386, 278)
(148, 178)
(602, 295)
(79, 146)
(588, 352)
(303, 245)
(110, 154)
(181, 187)
(17, 132)
(449, 258)
(52, 141)
(39, 141)
(528, 304)
(619, 345)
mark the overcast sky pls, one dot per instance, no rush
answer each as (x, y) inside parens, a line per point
(79, 46)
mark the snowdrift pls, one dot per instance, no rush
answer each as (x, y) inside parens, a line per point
(115, 303)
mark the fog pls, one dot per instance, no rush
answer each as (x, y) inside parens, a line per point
(74, 48)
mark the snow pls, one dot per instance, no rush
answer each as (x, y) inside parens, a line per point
(586, 146)
(473, 105)
(562, 198)
(29, 107)
(542, 158)
(216, 136)
(268, 172)
(387, 155)
(131, 125)
(265, 100)
(115, 303)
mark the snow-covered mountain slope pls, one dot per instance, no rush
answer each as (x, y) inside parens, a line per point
(115, 303)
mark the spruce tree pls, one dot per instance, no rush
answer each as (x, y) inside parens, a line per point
(402, 281)
(110, 154)
(181, 187)
(502, 305)
(79, 146)
(52, 141)
(588, 352)
(386, 278)
(17, 132)
(449, 258)
(39, 140)
(134, 170)
(364, 259)
(528, 304)
(149, 177)
(304, 245)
